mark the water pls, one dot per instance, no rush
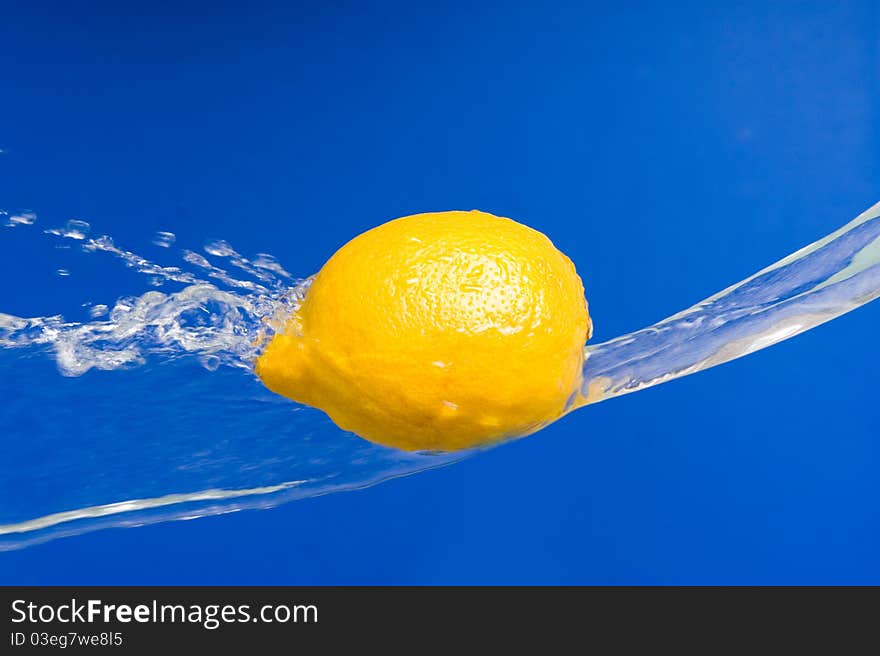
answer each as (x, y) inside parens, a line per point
(150, 410)
(169, 420)
(824, 280)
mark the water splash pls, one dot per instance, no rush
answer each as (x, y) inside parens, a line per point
(181, 427)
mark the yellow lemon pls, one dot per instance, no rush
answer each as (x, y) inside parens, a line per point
(437, 331)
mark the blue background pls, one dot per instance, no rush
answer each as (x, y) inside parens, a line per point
(669, 148)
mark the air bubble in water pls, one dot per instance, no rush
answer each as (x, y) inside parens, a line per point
(164, 239)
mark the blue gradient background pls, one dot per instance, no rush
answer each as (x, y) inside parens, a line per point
(669, 148)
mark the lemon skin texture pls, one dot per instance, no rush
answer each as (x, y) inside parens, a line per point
(439, 331)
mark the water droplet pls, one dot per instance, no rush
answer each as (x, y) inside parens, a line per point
(22, 217)
(164, 239)
(219, 248)
(270, 263)
(78, 229)
(210, 362)
(98, 311)
(195, 258)
(73, 229)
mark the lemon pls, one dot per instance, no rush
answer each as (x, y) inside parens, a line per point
(438, 331)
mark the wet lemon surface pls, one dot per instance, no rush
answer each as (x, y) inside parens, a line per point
(438, 331)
